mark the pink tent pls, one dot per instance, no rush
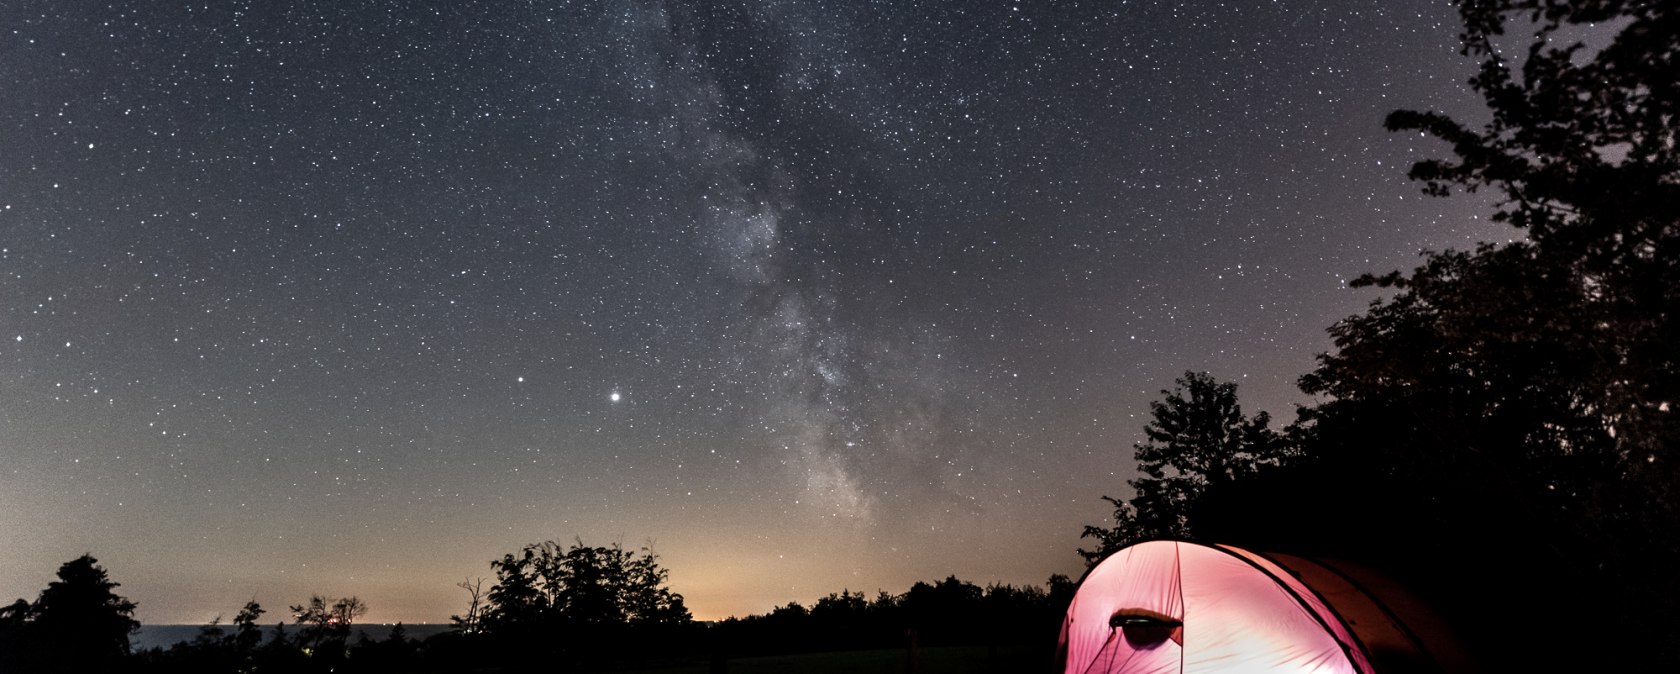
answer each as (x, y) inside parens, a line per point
(1170, 606)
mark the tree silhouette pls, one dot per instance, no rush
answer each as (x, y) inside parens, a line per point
(14, 618)
(1198, 439)
(1568, 340)
(944, 612)
(326, 627)
(471, 622)
(579, 604)
(78, 624)
(247, 635)
(1523, 395)
(581, 585)
(948, 613)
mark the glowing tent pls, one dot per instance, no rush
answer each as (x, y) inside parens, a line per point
(1170, 606)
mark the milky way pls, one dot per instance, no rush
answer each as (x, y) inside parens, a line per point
(807, 296)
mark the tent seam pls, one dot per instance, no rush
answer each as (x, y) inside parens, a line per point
(1393, 618)
(1183, 608)
(1352, 633)
(1347, 649)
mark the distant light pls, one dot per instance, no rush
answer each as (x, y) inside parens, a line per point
(520, 380)
(614, 397)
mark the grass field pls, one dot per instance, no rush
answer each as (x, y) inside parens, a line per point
(927, 661)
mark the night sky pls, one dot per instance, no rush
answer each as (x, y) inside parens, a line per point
(353, 297)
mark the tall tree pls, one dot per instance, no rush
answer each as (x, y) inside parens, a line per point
(1197, 439)
(1532, 386)
(1580, 322)
(80, 623)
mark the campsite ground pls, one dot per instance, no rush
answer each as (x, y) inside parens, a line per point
(928, 661)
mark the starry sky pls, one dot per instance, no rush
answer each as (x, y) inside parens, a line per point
(353, 297)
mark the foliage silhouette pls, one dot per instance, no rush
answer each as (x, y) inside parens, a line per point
(948, 613)
(325, 628)
(14, 619)
(1531, 386)
(545, 583)
(1198, 439)
(247, 636)
(78, 624)
(652, 630)
(1504, 419)
(579, 604)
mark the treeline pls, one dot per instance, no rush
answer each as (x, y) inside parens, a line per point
(948, 613)
(79, 624)
(551, 607)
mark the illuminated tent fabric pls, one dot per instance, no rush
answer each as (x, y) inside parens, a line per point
(1170, 606)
